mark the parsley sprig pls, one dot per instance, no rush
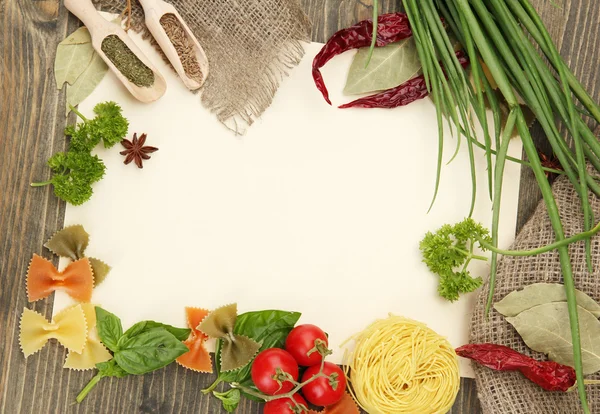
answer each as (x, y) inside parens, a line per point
(74, 171)
(448, 252)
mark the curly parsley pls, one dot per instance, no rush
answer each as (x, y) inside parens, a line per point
(76, 170)
(448, 252)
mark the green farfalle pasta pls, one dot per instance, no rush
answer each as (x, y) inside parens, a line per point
(71, 242)
(236, 350)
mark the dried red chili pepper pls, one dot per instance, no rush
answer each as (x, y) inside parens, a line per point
(391, 28)
(549, 375)
(550, 162)
(410, 91)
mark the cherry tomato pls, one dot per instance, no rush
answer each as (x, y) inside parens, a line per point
(284, 405)
(264, 371)
(324, 390)
(301, 344)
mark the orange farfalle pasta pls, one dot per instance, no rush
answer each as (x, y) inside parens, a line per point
(68, 327)
(198, 358)
(77, 280)
(346, 405)
(93, 352)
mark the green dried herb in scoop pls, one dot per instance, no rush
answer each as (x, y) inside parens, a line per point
(127, 62)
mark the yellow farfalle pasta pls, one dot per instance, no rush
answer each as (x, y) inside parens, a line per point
(68, 327)
(400, 366)
(93, 352)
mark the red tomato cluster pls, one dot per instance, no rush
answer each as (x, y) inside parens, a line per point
(276, 371)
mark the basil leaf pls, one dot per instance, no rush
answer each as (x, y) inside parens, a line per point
(141, 327)
(110, 368)
(148, 351)
(270, 328)
(109, 328)
(230, 399)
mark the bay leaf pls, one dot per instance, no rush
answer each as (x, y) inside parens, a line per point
(73, 55)
(87, 82)
(70, 62)
(540, 293)
(78, 37)
(390, 66)
(545, 328)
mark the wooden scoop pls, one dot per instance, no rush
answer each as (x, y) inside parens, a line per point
(99, 29)
(154, 10)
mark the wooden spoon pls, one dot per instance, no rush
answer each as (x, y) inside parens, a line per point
(99, 29)
(154, 10)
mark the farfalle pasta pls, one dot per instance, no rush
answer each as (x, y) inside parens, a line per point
(346, 405)
(93, 351)
(77, 279)
(198, 358)
(69, 328)
(236, 350)
(71, 242)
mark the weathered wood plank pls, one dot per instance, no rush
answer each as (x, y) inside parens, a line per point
(31, 121)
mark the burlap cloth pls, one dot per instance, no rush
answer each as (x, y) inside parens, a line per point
(250, 44)
(510, 392)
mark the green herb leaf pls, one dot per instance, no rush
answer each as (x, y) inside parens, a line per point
(180, 333)
(83, 139)
(86, 82)
(110, 368)
(447, 253)
(390, 66)
(76, 170)
(109, 123)
(148, 351)
(230, 399)
(73, 56)
(109, 328)
(452, 284)
(74, 174)
(270, 328)
(78, 37)
(540, 293)
(545, 328)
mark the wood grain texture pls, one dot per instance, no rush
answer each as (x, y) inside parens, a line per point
(31, 123)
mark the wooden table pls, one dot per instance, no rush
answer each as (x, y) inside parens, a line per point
(31, 125)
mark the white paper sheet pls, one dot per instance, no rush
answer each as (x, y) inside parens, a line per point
(316, 209)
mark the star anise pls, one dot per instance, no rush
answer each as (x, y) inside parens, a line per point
(136, 151)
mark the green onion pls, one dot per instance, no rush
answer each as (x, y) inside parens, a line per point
(374, 39)
(506, 35)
